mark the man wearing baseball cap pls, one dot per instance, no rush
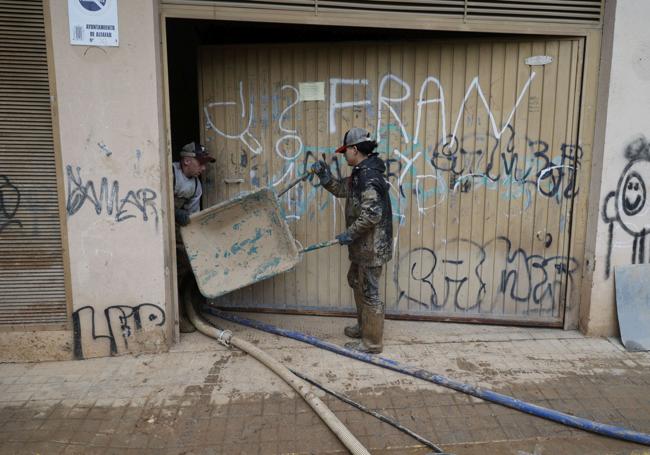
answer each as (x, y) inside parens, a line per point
(369, 233)
(187, 199)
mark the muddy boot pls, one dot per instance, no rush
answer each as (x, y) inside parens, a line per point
(354, 331)
(372, 336)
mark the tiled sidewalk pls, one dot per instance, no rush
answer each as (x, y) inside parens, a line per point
(204, 398)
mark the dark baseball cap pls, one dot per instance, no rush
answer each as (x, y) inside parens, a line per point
(196, 150)
(354, 136)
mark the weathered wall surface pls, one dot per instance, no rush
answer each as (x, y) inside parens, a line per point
(35, 346)
(110, 122)
(624, 209)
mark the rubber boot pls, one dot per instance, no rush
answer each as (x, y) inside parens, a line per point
(354, 331)
(372, 335)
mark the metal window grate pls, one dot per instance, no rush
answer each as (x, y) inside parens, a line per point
(32, 289)
(548, 10)
(579, 11)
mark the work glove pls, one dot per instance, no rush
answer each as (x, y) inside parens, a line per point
(344, 238)
(182, 216)
(322, 170)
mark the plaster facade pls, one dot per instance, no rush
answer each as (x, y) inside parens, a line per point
(623, 219)
(110, 123)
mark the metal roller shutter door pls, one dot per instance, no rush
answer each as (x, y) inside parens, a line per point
(482, 156)
(32, 289)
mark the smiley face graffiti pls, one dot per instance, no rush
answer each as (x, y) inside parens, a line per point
(631, 197)
(630, 209)
(634, 194)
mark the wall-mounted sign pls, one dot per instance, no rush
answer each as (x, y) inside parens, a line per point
(538, 60)
(93, 22)
(312, 91)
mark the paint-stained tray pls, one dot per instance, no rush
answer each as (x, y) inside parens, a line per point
(239, 242)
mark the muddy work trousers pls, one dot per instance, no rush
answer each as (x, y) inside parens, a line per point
(364, 281)
(370, 310)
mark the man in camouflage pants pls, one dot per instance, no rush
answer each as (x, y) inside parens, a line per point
(369, 233)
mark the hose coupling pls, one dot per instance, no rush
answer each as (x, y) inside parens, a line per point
(224, 337)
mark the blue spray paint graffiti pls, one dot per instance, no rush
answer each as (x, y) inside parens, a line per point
(451, 163)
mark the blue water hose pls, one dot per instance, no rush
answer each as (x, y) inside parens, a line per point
(504, 400)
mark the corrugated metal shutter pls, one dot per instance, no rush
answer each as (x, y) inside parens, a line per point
(581, 11)
(482, 156)
(32, 289)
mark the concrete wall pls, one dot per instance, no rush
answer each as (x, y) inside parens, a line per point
(109, 105)
(624, 110)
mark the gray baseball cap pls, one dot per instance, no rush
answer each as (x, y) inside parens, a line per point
(354, 136)
(196, 150)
